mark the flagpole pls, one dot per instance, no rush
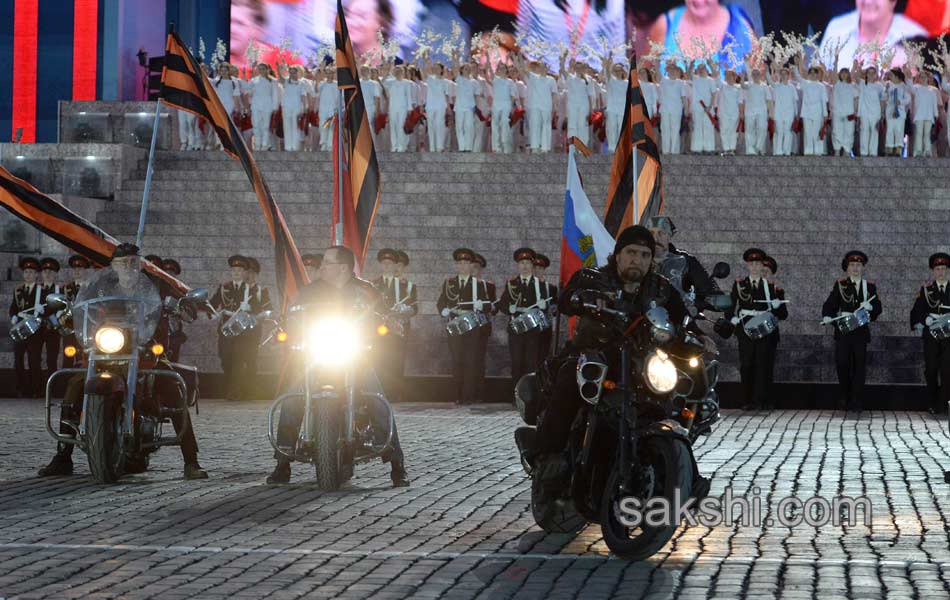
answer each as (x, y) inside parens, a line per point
(148, 174)
(636, 190)
(339, 170)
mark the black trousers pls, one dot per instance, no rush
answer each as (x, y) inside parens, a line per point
(165, 392)
(484, 337)
(238, 356)
(389, 358)
(756, 365)
(291, 418)
(525, 350)
(175, 341)
(851, 356)
(937, 372)
(557, 417)
(465, 365)
(29, 381)
(51, 344)
(544, 350)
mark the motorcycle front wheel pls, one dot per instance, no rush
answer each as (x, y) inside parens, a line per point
(669, 465)
(103, 444)
(328, 426)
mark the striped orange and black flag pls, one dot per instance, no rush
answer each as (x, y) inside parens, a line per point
(185, 87)
(361, 170)
(66, 227)
(636, 135)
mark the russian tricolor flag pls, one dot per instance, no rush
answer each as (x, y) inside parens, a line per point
(585, 241)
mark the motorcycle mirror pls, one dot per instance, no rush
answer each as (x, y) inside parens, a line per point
(265, 315)
(197, 295)
(57, 302)
(720, 270)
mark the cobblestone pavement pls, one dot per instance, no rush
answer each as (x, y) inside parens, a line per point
(464, 527)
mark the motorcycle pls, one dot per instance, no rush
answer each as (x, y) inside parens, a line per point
(337, 390)
(632, 437)
(114, 321)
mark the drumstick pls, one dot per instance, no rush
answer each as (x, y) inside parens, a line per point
(771, 301)
(835, 318)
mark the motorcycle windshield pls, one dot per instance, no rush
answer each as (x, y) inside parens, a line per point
(112, 298)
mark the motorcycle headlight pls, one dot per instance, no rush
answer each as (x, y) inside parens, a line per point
(109, 340)
(333, 341)
(661, 375)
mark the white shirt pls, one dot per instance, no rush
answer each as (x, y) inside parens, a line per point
(869, 100)
(541, 90)
(579, 93)
(898, 101)
(436, 91)
(616, 95)
(503, 94)
(672, 92)
(265, 93)
(400, 95)
(925, 102)
(295, 95)
(842, 99)
(785, 97)
(703, 89)
(814, 99)
(728, 100)
(649, 90)
(757, 96)
(845, 29)
(328, 94)
(465, 91)
(371, 91)
(229, 90)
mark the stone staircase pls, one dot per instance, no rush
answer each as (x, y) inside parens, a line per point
(805, 211)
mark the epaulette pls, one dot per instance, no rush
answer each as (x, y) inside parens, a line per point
(842, 280)
(778, 289)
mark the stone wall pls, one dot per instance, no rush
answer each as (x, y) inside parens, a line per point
(805, 211)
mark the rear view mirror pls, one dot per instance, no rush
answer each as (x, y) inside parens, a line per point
(57, 302)
(197, 295)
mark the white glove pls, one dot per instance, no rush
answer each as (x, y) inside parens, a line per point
(478, 305)
(512, 308)
(14, 319)
(918, 327)
(734, 320)
(929, 321)
(445, 312)
(245, 307)
(866, 305)
(542, 304)
(776, 304)
(825, 320)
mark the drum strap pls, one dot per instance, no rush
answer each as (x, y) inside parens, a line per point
(768, 294)
(37, 303)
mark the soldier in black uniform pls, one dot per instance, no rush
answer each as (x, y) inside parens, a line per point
(402, 265)
(522, 293)
(49, 268)
(848, 295)
(79, 266)
(933, 301)
(27, 301)
(752, 296)
(229, 298)
(249, 342)
(477, 267)
(549, 291)
(391, 350)
(176, 331)
(311, 262)
(463, 294)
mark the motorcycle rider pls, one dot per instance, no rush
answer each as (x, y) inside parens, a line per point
(126, 265)
(336, 285)
(630, 270)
